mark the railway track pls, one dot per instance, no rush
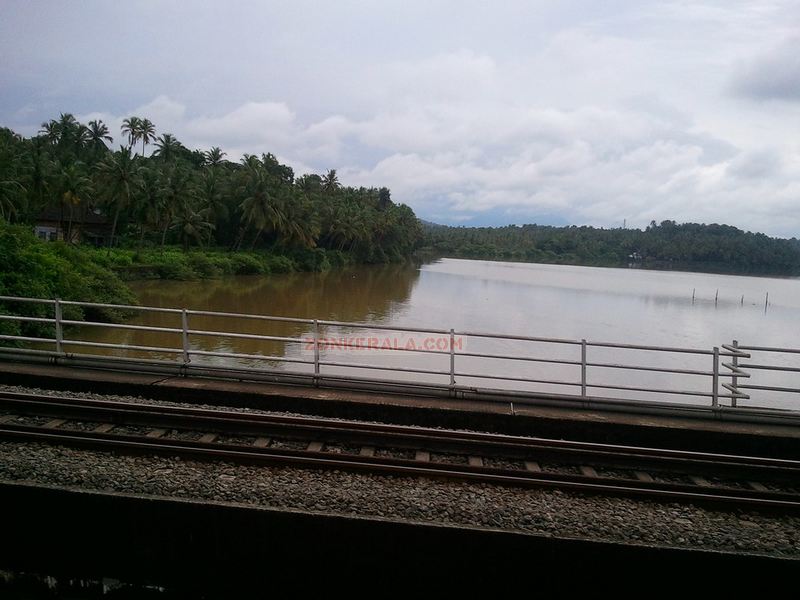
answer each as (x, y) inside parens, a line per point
(309, 442)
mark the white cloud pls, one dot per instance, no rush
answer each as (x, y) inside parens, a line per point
(773, 75)
(470, 113)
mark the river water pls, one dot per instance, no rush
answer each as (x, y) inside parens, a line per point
(629, 306)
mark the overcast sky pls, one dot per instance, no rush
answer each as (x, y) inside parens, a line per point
(474, 113)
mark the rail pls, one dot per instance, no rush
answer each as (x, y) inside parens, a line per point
(720, 376)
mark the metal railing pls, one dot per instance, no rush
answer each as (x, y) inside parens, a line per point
(720, 384)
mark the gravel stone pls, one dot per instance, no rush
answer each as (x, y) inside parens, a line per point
(80, 425)
(342, 448)
(401, 453)
(450, 459)
(503, 463)
(288, 444)
(541, 511)
(184, 435)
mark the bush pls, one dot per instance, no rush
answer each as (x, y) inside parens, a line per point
(280, 264)
(206, 266)
(310, 259)
(248, 264)
(36, 269)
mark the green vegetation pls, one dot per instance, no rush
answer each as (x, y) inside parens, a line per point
(666, 245)
(192, 198)
(177, 214)
(38, 269)
(172, 262)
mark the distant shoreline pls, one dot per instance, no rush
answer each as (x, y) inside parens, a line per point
(692, 267)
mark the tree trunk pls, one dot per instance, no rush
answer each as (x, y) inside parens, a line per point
(114, 228)
(239, 239)
(69, 224)
(164, 234)
(255, 239)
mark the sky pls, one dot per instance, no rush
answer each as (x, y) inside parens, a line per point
(473, 112)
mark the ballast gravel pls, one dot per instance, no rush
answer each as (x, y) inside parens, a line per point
(414, 499)
(540, 511)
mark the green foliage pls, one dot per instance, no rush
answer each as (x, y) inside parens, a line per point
(666, 245)
(248, 264)
(280, 264)
(194, 198)
(32, 268)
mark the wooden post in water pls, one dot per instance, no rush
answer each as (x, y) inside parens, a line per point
(716, 297)
(693, 290)
(742, 299)
(766, 302)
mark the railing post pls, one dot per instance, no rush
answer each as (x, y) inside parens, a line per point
(715, 380)
(185, 336)
(452, 358)
(59, 327)
(583, 368)
(735, 378)
(316, 352)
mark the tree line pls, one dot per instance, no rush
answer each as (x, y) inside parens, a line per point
(192, 197)
(665, 244)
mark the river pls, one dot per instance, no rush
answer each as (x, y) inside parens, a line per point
(631, 306)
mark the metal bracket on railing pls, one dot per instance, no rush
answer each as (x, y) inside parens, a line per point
(583, 368)
(736, 372)
(316, 353)
(185, 337)
(59, 326)
(452, 358)
(715, 380)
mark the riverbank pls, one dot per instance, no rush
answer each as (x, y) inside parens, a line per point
(35, 268)
(669, 246)
(718, 268)
(175, 263)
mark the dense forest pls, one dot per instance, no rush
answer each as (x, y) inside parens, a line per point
(668, 244)
(155, 204)
(191, 198)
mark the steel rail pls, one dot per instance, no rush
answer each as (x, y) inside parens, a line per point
(159, 415)
(401, 467)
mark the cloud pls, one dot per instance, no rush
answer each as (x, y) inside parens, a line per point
(586, 113)
(773, 75)
(590, 165)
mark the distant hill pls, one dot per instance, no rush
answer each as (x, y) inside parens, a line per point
(668, 244)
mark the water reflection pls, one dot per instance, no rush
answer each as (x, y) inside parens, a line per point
(364, 295)
(553, 301)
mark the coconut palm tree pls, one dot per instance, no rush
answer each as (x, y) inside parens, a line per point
(176, 190)
(146, 203)
(38, 175)
(260, 209)
(147, 132)
(330, 181)
(301, 223)
(119, 173)
(214, 157)
(99, 134)
(131, 127)
(167, 147)
(192, 224)
(75, 189)
(66, 134)
(211, 196)
(50, 131)
(12, 192)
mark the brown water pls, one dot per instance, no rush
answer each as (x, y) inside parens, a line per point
(620, 305)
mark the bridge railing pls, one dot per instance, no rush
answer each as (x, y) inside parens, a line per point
(459, 363)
